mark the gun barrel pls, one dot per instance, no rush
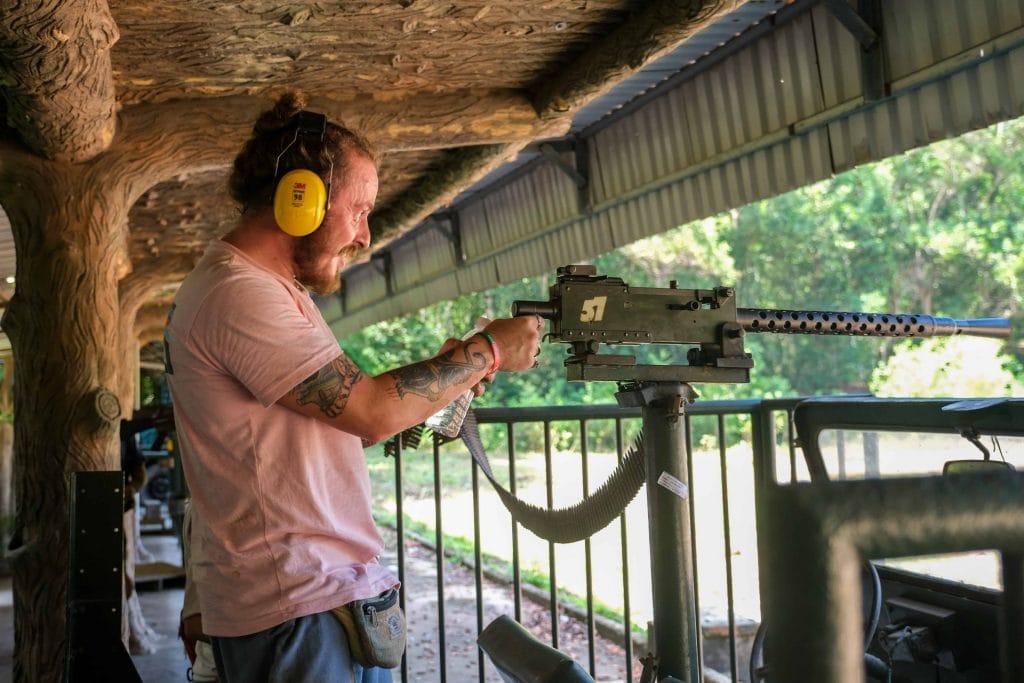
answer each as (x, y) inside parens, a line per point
(867, 324)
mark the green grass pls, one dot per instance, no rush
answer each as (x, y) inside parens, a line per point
(455, 469)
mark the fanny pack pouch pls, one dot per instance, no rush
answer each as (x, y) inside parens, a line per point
(375, 628)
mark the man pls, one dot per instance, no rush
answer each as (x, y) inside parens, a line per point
(272, 415)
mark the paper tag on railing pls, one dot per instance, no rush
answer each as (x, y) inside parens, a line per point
(677, 487)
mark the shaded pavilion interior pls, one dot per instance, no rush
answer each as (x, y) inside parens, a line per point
(121, 120)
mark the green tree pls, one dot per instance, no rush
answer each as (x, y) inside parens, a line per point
(960, 367)
(934, 231)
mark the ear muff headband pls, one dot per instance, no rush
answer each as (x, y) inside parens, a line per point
(301, 199)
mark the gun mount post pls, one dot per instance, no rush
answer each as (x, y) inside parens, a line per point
(677, 633)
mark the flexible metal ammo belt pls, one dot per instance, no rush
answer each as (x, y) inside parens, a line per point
(579, 521)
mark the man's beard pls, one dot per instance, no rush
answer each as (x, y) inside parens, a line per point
(308, 250)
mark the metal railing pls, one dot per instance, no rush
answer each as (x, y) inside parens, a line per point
(762, 424)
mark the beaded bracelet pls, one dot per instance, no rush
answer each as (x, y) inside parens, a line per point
(494, 351)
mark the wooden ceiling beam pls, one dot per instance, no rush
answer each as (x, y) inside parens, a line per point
(217, 127)
(409, 120)
(56, 77)
(153, 145)
(661, 27)
(652, 33)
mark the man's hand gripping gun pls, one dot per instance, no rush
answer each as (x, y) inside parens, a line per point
(587, 310)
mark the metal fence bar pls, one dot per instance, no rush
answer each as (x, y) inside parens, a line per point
(624, 543)
(549, 484)
(591, 649)
(439, 556)
(517, 579)
(478, 565)
(400, 530)
(727, 536)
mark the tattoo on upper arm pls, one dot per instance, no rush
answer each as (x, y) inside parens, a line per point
(431, 378)
(330, 387)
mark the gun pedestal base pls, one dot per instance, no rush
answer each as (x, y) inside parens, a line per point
(676, 621)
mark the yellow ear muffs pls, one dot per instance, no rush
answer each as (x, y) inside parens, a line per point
(300, 202)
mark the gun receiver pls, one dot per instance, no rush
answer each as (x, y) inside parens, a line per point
(587, 310)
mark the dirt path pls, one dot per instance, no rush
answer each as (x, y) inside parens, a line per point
(461, 663)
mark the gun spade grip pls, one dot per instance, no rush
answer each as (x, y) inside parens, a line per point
(545, 309)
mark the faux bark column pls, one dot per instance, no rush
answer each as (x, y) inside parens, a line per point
(69, 226)
(69, 236)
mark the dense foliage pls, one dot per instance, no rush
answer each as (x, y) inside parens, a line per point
(934, 231)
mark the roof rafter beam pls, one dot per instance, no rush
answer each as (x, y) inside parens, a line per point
(153, 140)
(409, 121)
(152, 145)
(659, 28)
(652, 33)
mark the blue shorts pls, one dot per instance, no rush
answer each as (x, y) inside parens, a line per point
(310, 649)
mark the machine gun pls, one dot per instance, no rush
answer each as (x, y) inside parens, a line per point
(587, 310)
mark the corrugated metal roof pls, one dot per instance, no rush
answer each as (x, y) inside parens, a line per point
(784, 110)
(702, 43)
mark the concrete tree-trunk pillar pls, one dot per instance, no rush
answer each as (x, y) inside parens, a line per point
(69, 225)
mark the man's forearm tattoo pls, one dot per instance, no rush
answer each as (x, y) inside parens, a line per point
(330, 387)
(431, 378)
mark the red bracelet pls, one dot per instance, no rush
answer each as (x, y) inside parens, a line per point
(494, 350)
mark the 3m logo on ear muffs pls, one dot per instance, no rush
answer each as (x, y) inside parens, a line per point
(301, 199)
(300, 202)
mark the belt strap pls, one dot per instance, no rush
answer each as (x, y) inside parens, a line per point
(579, 521)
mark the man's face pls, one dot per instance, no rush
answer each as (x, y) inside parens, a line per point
(320, 257)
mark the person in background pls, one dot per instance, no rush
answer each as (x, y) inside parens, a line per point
(190, 629)
(272, 416)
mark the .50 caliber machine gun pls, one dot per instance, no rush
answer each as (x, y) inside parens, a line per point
(587, 310)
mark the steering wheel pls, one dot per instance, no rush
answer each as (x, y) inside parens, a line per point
(871, 602)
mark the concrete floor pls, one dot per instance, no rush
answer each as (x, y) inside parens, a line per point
(168, 663)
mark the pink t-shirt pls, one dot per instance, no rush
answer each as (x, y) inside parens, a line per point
(283, 526)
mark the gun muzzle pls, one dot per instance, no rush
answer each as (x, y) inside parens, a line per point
(867, 324)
